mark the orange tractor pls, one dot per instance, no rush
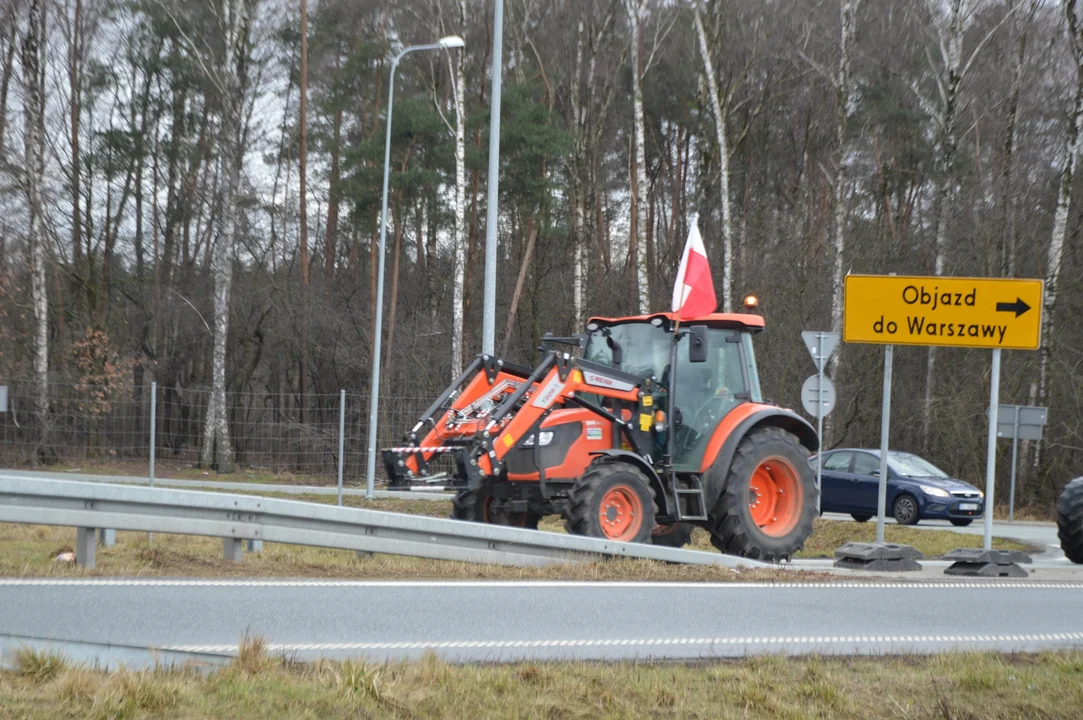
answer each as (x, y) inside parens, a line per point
(657, 428)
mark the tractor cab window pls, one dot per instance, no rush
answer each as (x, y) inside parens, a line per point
(704, 393)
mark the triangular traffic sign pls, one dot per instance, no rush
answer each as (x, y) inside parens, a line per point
(821, 345)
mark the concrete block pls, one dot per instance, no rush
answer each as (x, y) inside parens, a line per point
(878, 558)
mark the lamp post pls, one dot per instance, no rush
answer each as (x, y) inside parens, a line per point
(447, 43)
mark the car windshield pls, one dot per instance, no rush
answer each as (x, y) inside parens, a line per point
(908, 465)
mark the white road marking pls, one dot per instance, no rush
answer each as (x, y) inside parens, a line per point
(171, 582)
(1073, 638)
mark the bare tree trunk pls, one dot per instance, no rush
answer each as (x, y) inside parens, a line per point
(459, 239)
(303, 218)
(577, 190)
(330, 244)
(74, 53)
(532, 237)
(951, 40)
(1011, 116)
(635, 10)
(723, 166)
(231, 82)
(846, 109)
(34, 140)
(1072, 146)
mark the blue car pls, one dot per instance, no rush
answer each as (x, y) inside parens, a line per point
(916, 489)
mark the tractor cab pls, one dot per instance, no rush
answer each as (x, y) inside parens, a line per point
(710, 380)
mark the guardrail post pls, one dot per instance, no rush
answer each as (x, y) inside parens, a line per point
(254, 545)
(231, 549)
(84, 547)
(107, 537)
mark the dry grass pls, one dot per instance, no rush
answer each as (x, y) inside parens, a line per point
(30, 551)
(945, 686)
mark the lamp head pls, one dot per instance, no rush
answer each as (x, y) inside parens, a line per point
(450, 42)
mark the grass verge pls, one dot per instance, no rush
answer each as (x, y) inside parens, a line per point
(30, 551)
(962, 686)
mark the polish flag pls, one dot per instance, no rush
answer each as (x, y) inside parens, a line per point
(693, 291)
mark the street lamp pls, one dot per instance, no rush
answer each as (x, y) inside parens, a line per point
(446, 43)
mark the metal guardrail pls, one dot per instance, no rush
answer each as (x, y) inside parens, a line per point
(236, 518)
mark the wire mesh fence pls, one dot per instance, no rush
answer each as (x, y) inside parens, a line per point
(282, 435)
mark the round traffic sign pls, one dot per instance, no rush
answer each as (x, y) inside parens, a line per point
(817, 402)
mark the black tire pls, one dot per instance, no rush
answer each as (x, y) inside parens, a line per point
(1070, 521)
(476, 506)
(734, 531)
(961, 522)
(860, 517)
(905, 509)
(676, 535)
(583, 515)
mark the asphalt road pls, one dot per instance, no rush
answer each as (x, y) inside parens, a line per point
(501, 621)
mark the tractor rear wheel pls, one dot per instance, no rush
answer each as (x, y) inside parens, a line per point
(676, 535)
(480, 506)
(613, 501)
(1070, 520)
(768, 502)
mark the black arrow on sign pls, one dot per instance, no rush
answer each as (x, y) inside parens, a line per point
(1018, 307)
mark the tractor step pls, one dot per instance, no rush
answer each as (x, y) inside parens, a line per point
(690, 501)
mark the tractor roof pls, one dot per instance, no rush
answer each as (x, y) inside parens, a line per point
(728, 321)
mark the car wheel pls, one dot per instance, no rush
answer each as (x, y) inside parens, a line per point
(860, 517)
(906, 510)
(961, 522)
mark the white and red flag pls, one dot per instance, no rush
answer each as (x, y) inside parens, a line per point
(693, 291)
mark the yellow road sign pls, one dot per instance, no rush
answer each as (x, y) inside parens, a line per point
(943, 311)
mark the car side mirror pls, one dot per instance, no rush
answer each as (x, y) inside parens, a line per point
(697, 349)
(875, 473)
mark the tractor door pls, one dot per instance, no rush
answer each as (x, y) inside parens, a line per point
(706, 392)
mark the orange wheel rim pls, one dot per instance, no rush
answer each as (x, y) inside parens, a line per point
(620, 513)
(775, 496)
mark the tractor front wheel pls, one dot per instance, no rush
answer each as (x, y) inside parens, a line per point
(480, 506)
(613, 501)
(768, 502)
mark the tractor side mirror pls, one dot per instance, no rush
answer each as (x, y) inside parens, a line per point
(618, 353)
(697, 337)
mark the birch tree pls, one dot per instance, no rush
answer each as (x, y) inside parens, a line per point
(226, 70)
(1072, 144)
(459, 230)
(636, 10)
(723, 165)
(950, 25)
(846, 97)
(34, 142)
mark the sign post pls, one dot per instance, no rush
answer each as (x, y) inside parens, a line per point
(885, 428)
(818, 393)
(1026, 423)
(992, 313)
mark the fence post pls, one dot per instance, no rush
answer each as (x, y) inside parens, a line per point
(341, 439)
(153, 423)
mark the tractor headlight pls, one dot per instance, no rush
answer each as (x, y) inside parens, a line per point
(934, 491)
(544, 438)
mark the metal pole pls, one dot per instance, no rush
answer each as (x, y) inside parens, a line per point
(488, 322)
(820, 424)
(153, 424)
(1015, 445)
(153, 431)
(885, 425)
(374, 392)
(991, 450)
(341, 439)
